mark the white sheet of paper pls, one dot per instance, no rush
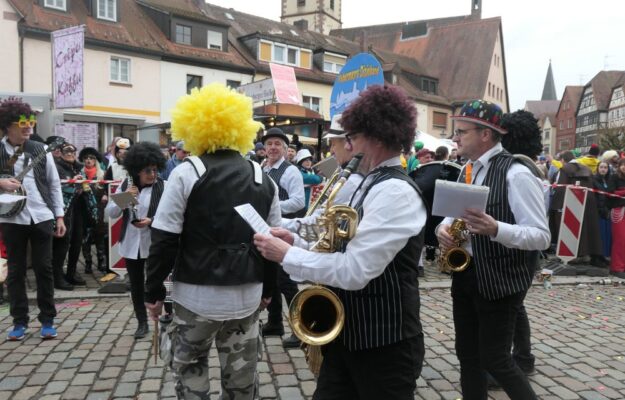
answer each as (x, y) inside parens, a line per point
(326, 167)
(6, 198)
(254, 219)
(452, 198)
(124, 199)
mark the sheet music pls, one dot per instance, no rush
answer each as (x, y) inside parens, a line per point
(249, 214)
(326, 167)
(7, 198)
(124, 199)
(452, 198)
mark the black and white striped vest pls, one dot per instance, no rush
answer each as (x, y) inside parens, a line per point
(276, 175)
(387, 309)
(501, 271)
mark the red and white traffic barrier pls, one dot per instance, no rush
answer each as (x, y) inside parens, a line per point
(90, 181)
(117, 263)
(608, 194)
(571, 223)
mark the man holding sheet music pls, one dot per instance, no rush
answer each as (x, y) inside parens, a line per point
(219, 278)
(502, 239)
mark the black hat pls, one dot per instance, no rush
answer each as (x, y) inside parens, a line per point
(275, 132)
(89, 151)
(56, 140)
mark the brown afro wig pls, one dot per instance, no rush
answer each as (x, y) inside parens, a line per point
(384, 113)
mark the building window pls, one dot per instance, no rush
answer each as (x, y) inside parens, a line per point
(331, 4)
(301, 24)
(293, 56)
(428, 85)
(215, 40)
(570, 123)
(183, 34)
(193, 81)
(561, 124)
(439, 119)
(120, 69)
(332, 67)
(489, 92)
(547, 133)
(107, 9)
(56, 4)
(301, 3)
(314, 103)
(233, 84)
(279, 53)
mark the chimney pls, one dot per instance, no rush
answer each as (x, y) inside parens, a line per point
(476, 9)
(363, 41)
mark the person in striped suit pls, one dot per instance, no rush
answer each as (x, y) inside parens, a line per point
(503, 243)
(379, 353)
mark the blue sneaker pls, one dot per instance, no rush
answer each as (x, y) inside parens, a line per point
(18, 333)
(48, 331)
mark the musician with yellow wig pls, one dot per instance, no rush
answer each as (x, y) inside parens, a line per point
(219, 278)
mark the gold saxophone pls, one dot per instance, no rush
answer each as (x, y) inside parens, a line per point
(316, 314)
(455, 259)
(324, 193)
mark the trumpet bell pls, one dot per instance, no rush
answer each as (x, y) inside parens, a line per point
(316, 315)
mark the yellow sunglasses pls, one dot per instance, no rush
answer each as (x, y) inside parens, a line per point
(24, 122)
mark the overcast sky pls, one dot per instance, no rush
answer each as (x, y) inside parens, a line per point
(581, 37)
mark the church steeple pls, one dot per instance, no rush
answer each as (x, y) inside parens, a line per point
(549, 91)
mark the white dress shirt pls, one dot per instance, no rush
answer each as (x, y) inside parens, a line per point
(218, 303)
(136, 243)
(526, 200)
(36, 208)
(393, 213)
(293, 183)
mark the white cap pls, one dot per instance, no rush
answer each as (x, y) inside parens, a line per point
(302, 155)
(336, 130)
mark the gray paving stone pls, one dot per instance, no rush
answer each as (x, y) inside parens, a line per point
(290, 393)
(83, 379)
(104, 384)
(26, 393)
(150, 385)
(39, 378)
(99, 396)
(12, 382)
(56, 387)
(127, 389)
(75, 393)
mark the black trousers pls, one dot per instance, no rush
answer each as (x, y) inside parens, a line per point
(136, 275)
(388, 372)
(522, 345)
(285, 286)
(71, 243)
(484, 333)
(16, 238)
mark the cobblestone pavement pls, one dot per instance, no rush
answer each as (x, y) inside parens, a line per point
(578, 340)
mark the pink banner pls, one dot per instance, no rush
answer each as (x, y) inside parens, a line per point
(67, 66)
(285, 84)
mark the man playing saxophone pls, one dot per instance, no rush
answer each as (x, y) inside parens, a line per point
(379, 352)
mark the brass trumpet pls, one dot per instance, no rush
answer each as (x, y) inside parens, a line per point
(455, 259)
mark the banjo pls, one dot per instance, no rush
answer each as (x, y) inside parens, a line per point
(12, 208)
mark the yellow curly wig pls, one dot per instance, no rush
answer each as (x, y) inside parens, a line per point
(214, 117)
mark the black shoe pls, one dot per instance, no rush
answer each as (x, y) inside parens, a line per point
(421, 271)
(599, 262)
(142, 330)
(620, 274)
(61, 284)
(273, 329)
(528, 371)
(291, 342)
(430, 253)
(76, 280)
(88, 268)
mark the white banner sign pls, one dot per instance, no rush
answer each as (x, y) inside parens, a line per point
(80, 135)
(259, 91)
(68, 67)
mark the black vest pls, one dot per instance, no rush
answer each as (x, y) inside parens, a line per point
(155, 197)
(216, 244)
(501, 271)
(276, 175)
(387, 309)
(31, 150)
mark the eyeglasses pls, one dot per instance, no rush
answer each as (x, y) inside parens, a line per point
(462, 132)
(350, 137)
(69, 151)
(90, 158)
(25, 123)
(149, 170)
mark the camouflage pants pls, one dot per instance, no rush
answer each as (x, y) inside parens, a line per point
(238, 346)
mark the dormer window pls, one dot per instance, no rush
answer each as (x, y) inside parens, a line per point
(333, 63)
(56, 4)
(183, 34)
(107, 9)
(215, 40)
(284, 54)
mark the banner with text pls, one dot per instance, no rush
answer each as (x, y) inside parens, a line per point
(78, 134)
(68, 67)
(285, 84)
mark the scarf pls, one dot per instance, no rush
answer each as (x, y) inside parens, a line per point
(91, 172)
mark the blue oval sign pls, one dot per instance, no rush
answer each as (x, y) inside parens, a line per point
(360, 72)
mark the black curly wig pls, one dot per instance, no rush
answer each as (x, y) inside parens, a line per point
(384, 113)
(524, 136)
(10, 111)
(141, 155)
